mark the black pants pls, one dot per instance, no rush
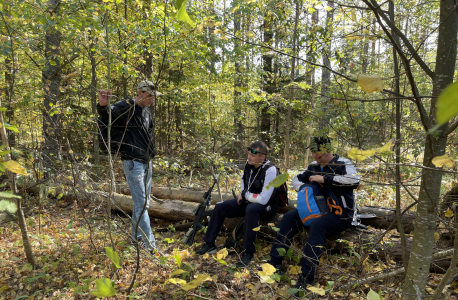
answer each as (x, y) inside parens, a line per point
(320, 229)
(252, 212)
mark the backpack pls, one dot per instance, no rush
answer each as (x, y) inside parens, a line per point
(118, 134)
(315, 200)
(282, 191)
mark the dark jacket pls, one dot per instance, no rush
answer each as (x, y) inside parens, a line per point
(138, 139)
(254, 182)
(339, 174)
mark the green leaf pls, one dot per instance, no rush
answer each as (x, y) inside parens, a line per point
(279, 180)
(104, 288)
(281, 251)
(9, 195)
(4, 152)
(447, 104)
(69, 225)
(292, 291)
(373, 295)
(12, 128)
(113, 256)
(8, 206)
(178, 3)
(182, 15)
(2, 108)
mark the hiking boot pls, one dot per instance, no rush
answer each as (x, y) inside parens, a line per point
(244, 260)
(302, 284)
(207, 249)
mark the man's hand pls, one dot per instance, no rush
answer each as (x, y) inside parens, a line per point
(104, 97)
(239, 200)
(316, 178)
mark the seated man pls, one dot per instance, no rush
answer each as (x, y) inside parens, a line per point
(339, 174)
(255, 202)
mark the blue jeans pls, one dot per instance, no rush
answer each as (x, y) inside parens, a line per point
(138, 177)
(320, 229)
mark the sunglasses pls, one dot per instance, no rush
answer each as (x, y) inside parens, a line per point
(254, 151)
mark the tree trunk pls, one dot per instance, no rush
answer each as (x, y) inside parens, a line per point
(268, 83)
(291, 90)
(428, 200)
(51, 84)
(94, 100)
(238, 125)
(326, 73)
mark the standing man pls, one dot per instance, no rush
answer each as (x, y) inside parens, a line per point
(133, 116)
(339, 174)
(255, 202)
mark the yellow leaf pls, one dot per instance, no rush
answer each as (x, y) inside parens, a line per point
(265, 278)
(222, 253)
(268, 269)
(316, 290)
(443, 160)
(449, 213)
(176, 281)
(206, 255)
(370, 83)
(368, 153)
(271, 224)
(196, 282)
(355, 153)
(257, 228)
(217, 31)
(385, 148)
(293, 269)
(15, 167)
(177, 272)
(436, 236)
(4, 288)
(70, 151)
(250, 34)
(249, 286)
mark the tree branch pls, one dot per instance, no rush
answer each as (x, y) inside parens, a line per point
(406, 41)
(421, 109)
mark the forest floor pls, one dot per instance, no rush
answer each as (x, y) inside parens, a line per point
(69, 243)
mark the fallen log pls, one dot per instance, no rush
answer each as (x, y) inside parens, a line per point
(174, 210)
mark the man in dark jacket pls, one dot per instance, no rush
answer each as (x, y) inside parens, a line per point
(255, 202)
(133, 118)
(339, 174)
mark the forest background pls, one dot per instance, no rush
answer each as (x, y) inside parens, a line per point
(231, 72)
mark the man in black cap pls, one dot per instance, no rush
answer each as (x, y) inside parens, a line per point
(339, 174)
(256, 201)
(133, 116)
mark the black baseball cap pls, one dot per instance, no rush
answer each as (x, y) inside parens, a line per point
(318, 142)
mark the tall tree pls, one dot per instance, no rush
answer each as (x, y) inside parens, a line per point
(51, 85)
(292, 88)
(428, 200)
(267, 76)
(326, 72)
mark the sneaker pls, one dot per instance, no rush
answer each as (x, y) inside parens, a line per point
(207, 249)
(244, 260)
(302, 284)
(141, 244)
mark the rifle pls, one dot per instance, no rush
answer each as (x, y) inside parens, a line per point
(200, 212)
